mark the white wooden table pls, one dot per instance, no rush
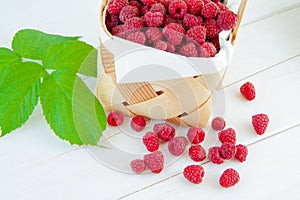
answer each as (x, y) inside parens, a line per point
(35, 164)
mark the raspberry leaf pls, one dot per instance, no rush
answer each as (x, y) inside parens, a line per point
(7, 56)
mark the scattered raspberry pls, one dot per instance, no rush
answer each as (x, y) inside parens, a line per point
(216, 42)
(210, 10)
(171, 48)
(158, 7)
(212, 28)
(227, 135)
(194, 173)
(227, 20)
(196, 135)
(229, 178)
(138, 166)
(138, 123)
(248, 91)
(164, 131)
(241, 152)
(154, 19)
(153, 34)
(133, 24)
(207, 49)
(165, 2)
(161, 45)
(177, 145)
(214, 155)
(194, 6)
(111, 21)
(196, 34)
(128, 12)
(189, 21)
(151, 141)
(189, 50)
(115, 118)
(218, 123)
(135, 4)
(173, 33)
(177, 8)
(149, 2)
(154, 161)
(197, 153)
(260, 123)
(227, 151)
(145, 9)
(115, 6)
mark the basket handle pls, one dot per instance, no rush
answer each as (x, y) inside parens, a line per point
(240, 14)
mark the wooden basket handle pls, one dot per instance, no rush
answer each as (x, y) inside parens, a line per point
(240, 14)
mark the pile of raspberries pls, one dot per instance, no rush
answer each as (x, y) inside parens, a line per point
(187, 27)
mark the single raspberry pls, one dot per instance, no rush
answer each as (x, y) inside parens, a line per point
(118, 29)
(214, 155)
(227, 135)
(216, 42)
(194, 6)
(227, 151)
(248, 91)
(165, 3)
(171, 48)
(190, 21)
(145, 9)
(154, 19)
(137, 37)
(161, 45)
(260, 123)
(194, 173)
(115, 6)
(189, 50)
(177, 8)
(241, 152)
(221, 6)
(149, 2)
(164, 131)
(212, 28)
(210, 10)
(196, 135)
(133, 24)
(196, 34)
(151, 141)
(111, 21)
(227, 20)
(135, 4)
(154, 161)
(177, 145)
(158, 7)
(207, 49)
(229, 178)
(218, 123)
(138, 123)
(138, 166)
(173, 33)
(115, 118)
(153, 34)
(197, 153)
(128, 12)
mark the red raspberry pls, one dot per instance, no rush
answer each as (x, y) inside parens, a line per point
(173, 33)
(137, 37)
(115, 118)
(241, 152)
(153, 34)
(165, 3)
(189, 50)
(221, 6)
(218, 123)
(210, 10)
(177, 8)
(216, 42)
(248, 91)
(158, 7)
(227, 151)
(133, 24)
(177, 145)
(138, 123)
(229, 178)
(145, 9)
(171, 48)
(212, 28)
(115, 6)
(138, 166)
(196, 135)
(111, 21)
(194, 173)
(227, 20)
(154, 161)
(196, 34)
(154, 19)
(161, 45)
(214, 155)
(149, 2)
(190, 21)
(164, 131)
(128, 12)
(135, 4)
(151, 141)
(260, 123)
(227, 135)
(197, 153)
(194, 6)
(207, 49)
(118, 29)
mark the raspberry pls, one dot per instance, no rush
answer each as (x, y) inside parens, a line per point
(151, 141)
(229, 178)
(138, 123)
(164, 131)
(248, 91)
(161, 45)
(260, 123)
(173, 33)
(196, 135)
(154, 19)
(214, 155)
(138, 166)
(227, 20)
(207, 49)
(212, 28)
(227, 135)
(158, 7)
(165, 2)
(133, 24)
(149, 2)
(218, 123)
(135, 4)
(196, 34)
(227, 151)
(145, 9)
(171, 48)
(241, 152)
(194, 173)
(128, 12)
(177, 145)
(115, 118)
(221, 6)
(210, 10)
(153, 34)
(137, 37)
(189, 50)
(115, 6)
(194, 6)
(216, 42)
(154, 161)
(111, 21)
(197, 153)
(190, 21)
(118, 29)
(177, 8)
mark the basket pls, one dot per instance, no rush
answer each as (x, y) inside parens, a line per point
(183, 101)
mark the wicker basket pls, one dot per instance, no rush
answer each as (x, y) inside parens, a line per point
(184, 101)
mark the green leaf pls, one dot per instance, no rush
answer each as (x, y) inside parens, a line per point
(7, 56)
(71, 110)
(33, 44)
(19, 94)
(75, 56)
